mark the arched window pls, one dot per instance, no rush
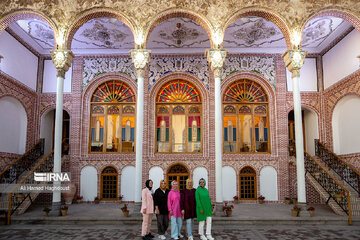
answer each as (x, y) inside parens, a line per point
(178, 118)
(246, 122)
(112, 124)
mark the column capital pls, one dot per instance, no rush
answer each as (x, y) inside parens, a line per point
(140, 59)
(294, 60)
(62, 60)
(216, 59)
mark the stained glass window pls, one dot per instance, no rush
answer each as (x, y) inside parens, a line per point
(113, 92)
(112, 124)
(246, 126)
(178, 121)
(243, 91)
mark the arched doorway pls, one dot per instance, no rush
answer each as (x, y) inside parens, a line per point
(47, 129)
(109, 180)
(179, 173)
(247, 183)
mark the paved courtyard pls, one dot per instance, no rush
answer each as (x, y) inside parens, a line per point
(249, 221)
(220, 232)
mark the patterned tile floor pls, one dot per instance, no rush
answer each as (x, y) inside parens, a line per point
(220, 232)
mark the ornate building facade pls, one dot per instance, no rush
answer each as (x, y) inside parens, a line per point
(181, 114)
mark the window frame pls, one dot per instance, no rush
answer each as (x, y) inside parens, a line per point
(105, 115)
(237, 105)
(170, 106)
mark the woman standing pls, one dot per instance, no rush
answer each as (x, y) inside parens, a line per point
(162, 212)
(188, 206)
(147, 210)
(174, 211)
(203, 210)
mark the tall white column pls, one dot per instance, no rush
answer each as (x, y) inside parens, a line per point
(139, 134)
(140, 59)
(218, 140)
(62, 60)
(58, 131)
(299, 141)
(294, 59)
(216, 58)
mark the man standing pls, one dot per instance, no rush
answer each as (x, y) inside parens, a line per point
(162, 213)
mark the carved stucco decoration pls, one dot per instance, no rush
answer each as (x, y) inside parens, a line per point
(142, 11)
(104, 33)
(94, 67)
(264, 66)
(160, 66)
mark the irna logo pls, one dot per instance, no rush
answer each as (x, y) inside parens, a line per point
(51, 177)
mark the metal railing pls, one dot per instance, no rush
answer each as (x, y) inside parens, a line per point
(335, 189)
(23, 163)
(346, 172)
(45, 165)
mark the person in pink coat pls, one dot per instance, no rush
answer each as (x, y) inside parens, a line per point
(147, 210)
(175, 211)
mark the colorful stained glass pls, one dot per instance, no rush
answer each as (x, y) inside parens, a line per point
(113, 110)
(260, 109)
(113, 91)
(163, 109)
(97, 109)
(194, 110)
(178, 91)
(245, 109)
(178, 110)
(245, 91)
(229, 109)
(128, 109)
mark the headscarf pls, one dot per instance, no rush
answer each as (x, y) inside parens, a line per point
(204, 182)
(187, 187)
(172, 183)
(147, 183)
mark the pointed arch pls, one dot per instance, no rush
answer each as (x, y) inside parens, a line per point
(180, 13)
(9, 18)
(85, 16)
(267, 14)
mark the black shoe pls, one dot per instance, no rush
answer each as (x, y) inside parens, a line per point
(145, 238)
(149, 235)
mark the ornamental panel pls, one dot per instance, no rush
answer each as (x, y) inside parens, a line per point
(197, 66)
(93, 67)
(265, 66)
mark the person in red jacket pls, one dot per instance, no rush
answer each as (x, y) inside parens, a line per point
(188, 206)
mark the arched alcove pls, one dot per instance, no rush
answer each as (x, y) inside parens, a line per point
(345, 125)
(228, 183)
(13, 126)
(268, 183)
(88, 183)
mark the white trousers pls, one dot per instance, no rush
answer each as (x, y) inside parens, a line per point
(208, 226)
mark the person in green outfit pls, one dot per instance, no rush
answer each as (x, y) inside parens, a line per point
(203, 210)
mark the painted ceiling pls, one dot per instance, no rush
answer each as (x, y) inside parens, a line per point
(181, 35)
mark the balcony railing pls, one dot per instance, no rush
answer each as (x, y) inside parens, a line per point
(346, 172)
(335, 190)
(45, 165)
(23, 163)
